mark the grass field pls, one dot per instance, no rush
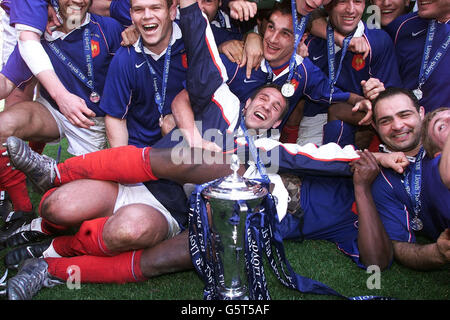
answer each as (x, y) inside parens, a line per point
(319, 260)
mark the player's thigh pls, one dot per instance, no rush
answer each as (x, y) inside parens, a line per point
(28, 120)
(135, 226)
(80, 200)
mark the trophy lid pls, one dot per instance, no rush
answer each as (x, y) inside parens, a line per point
(235, 187)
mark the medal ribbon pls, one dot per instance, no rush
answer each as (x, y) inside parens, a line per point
(332, 75)
(159, 98)
(251, 145)
(414, 178)
(427, 67)
(88, 80)
(299, 30)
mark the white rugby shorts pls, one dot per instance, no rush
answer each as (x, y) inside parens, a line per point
(81, 141)
(138, 193)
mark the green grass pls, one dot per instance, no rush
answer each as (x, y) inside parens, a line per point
(319, 260)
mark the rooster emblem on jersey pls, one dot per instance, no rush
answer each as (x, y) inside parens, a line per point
(95, 48)
(358, 62)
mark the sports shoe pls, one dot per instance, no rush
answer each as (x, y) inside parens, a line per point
(41, 170)
(14, 222)
(33, 250)
(25, 237)
(31, 277)
(29, 232)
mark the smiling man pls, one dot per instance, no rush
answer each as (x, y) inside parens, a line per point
(154, 67)
(404, 204)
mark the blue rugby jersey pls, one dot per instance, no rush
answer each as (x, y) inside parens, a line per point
(396, 207)
(409, 34)
(129, 92)
(435, 212)
(381, 63)
(105, 40)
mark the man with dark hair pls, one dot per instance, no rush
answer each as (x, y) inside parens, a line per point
(397, 202)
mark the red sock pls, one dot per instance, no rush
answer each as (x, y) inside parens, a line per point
(87, 241)
(37, 146)
(14, 182)
(126, 164)
(123, 268)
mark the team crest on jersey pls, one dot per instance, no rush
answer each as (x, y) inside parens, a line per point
(295, 83)
(95, 48)
(184, 61)
(358, 62)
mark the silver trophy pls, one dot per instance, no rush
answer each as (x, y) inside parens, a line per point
(230, 199)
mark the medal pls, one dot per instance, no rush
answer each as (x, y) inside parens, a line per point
(418, 93)
(288, 89)
(161, 120)
(416, 224)
(94, 97)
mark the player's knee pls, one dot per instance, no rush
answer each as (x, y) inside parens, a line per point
(58, 207)
(139, 229)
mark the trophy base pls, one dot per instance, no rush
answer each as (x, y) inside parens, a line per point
(233, 294)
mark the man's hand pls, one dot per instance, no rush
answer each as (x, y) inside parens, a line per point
(443, 245)
(242, 10)
(364, 106)
(302, 48)
(396, 160)
(372, 88)
(168, 124)
(233, 49)
(359, 45)
(75, 110)
(129, 36)
(365, 169)
(253, 53)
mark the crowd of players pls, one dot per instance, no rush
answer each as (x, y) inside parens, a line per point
(126, 81)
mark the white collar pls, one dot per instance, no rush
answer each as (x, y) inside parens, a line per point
(176, 34)
(61, 35)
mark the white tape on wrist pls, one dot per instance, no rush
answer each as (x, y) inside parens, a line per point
(34, 56)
